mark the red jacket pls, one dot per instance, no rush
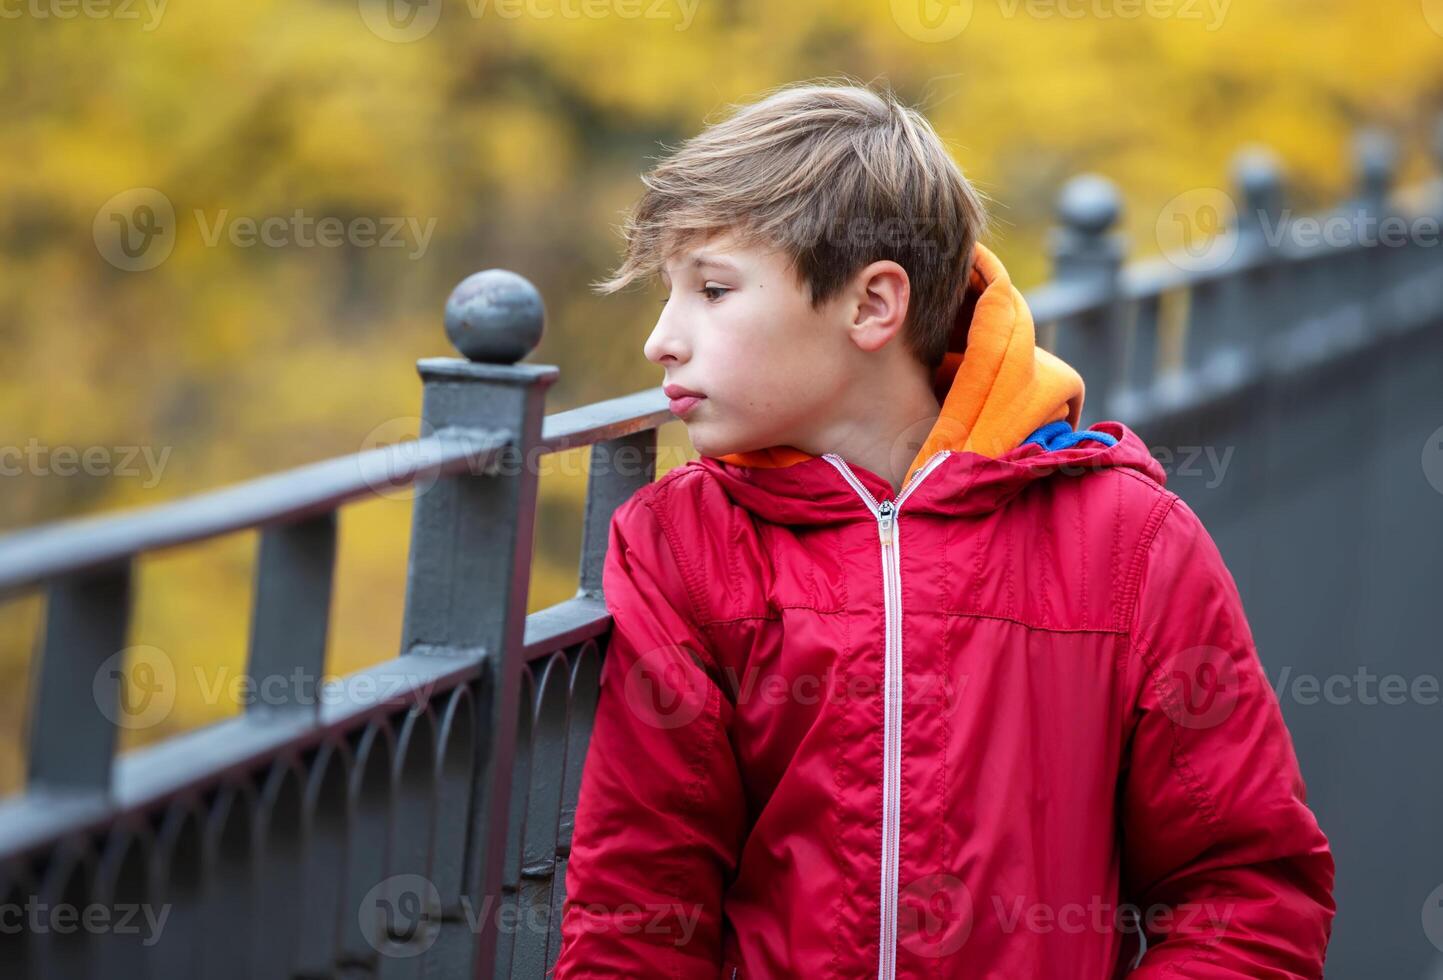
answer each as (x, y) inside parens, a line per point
(970, 729)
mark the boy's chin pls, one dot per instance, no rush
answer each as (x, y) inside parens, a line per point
(708, 442)
(703, 443)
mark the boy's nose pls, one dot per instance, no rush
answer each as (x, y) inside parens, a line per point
(665, 345)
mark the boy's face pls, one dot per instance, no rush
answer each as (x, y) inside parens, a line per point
(739, 328)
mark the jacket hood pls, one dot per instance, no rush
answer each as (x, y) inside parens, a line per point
(963, 483)
(994, 386)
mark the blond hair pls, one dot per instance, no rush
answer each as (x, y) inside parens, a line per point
(835, 175)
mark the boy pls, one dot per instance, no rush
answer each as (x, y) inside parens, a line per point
(907, 677)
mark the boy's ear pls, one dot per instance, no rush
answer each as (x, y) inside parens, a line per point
(880, 294)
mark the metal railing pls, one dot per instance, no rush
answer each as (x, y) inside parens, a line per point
(359, 836)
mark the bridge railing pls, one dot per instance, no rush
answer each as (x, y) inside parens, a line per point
(416, 816)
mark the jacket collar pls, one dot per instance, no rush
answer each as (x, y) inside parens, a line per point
(964, 483)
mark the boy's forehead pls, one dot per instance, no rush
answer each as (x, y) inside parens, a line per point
(724, 251)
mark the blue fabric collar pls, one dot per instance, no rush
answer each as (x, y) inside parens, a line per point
(1059, 435)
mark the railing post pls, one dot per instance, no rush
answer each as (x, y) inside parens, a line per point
(1087, 252)
(1258, 299)
(1371, 273)
(1435, 202)
(1375, 164)
(619, 467)
(471, 538)
(78, 682)
(291, 616)
(1422, 295)
(1258, 177)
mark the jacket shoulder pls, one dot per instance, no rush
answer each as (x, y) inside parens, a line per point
(714, 542)
(1067, 554)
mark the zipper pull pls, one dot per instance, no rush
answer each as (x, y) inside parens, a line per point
(886, 519)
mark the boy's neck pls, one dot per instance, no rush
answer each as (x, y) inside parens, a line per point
(882, 430)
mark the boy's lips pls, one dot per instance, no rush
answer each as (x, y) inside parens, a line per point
(681, 400)
(680, 406)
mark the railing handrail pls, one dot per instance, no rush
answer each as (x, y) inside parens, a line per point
(31, 556)
(603, 420)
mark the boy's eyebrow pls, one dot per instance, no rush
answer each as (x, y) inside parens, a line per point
(700, 260)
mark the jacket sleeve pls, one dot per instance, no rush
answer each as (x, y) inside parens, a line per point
(1222, 857)
(660, 812)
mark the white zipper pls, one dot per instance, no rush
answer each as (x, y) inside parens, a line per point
(886, 514)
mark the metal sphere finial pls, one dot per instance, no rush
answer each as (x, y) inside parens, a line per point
(1258, 174)
(495, 316)
(1089, 204)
